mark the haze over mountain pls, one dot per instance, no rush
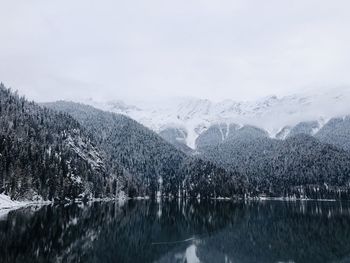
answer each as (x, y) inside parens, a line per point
(183, 120)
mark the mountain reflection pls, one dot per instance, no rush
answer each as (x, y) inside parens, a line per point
(178, 231)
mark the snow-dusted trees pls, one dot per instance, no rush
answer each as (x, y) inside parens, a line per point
(73, 150)
(44, 154)
(288, 167)
(147, 157)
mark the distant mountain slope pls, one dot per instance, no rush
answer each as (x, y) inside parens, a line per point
(152, 163)
(281, 167)
(214, 135)
(46, 155)
(177, 137)
(308, 128)
(336, 132)
(221, 133)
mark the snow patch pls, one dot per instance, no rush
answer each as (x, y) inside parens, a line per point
(7, 204)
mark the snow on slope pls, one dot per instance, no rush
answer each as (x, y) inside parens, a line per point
(271, 113)
(7, 203)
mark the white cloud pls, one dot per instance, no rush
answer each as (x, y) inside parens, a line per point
(215, 49)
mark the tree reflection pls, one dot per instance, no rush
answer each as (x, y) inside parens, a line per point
(178, 231)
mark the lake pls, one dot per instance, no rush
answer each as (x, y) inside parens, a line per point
(178, 231)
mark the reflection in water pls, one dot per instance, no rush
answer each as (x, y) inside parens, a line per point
(179, 231)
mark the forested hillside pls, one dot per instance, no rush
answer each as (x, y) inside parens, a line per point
(252, 163)
(47, 155)
(336, 132)
(300, 165)
(224, 132)
(67, 150)
(153, 164)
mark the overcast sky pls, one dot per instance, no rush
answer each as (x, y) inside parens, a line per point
(114, 49)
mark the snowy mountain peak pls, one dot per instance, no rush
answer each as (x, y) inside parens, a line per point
(273, 114)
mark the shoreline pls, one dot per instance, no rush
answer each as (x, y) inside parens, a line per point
(7, 205)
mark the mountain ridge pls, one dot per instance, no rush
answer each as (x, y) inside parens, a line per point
(192, 117)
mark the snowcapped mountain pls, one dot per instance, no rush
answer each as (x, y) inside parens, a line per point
(190, 117)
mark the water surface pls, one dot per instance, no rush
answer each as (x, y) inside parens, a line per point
(178, 231)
